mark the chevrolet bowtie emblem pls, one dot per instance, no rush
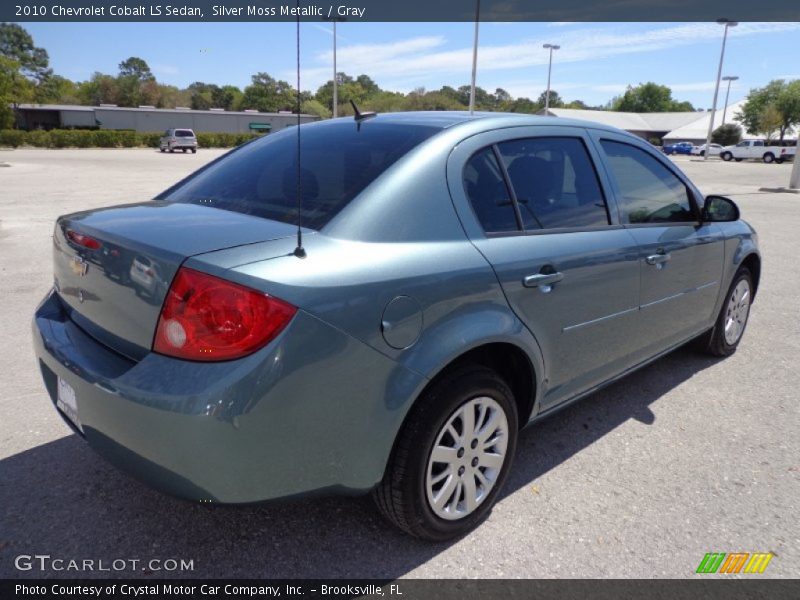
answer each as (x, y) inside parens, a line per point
(79, 266)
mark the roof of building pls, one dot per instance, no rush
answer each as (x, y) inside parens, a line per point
(665, 121)
(76, 107)
(698, 129)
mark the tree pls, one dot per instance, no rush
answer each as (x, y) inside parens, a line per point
(56, 89)
(784, 100)
(314, 107)
(17, 44)
(99, 89)
(649, 97)
(555, 99)
(14, 89)
(268, 94)
(137, 68)
(727, 134)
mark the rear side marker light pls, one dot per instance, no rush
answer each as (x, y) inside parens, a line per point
(206, 318)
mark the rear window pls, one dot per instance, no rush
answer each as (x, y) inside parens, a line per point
(338, 160)
(184, 133)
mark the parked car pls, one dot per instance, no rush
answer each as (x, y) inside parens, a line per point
(714, 150)
(178, 139)
(751, 149)
(678, 148)
(441, 281)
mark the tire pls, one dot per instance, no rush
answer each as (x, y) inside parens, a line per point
(194, 150)
(726, 156)
(738, 159)
(162, 149)
(769, 157)
(702, 152)
(409, 487)
(184, 150)
(779, 161)
(728, 331)
(172, 150)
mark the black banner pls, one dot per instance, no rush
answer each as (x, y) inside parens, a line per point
(398, 11)
(405, 589)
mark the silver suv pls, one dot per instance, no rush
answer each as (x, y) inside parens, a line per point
(178, 139)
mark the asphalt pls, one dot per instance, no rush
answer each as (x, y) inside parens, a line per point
(687, 456)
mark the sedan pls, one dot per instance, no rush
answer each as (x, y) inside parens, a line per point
(678, 148)
(385, 315)
(714, 150)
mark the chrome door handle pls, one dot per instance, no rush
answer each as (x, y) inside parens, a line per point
(544, 281)
(657, 259)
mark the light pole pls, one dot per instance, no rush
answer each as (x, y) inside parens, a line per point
(727, 78)
(335, 107)
(727, 23)
(474, 57)
(550, 47)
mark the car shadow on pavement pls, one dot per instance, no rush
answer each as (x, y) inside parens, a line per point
(63, 500)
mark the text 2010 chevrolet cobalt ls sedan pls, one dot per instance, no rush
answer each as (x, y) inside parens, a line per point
(461, 277)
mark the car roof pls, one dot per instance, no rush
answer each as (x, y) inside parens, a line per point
(478, 120)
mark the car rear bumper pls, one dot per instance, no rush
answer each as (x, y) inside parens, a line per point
(313, 410)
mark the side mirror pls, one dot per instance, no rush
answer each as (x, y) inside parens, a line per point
(719, 209)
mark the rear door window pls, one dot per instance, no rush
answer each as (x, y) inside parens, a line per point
(555, 183)
(184, 133)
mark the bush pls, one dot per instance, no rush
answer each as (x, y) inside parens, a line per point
(12, 137)
(109, 138)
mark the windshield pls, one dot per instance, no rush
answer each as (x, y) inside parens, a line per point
(339, 159)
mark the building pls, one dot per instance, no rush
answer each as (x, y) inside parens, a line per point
(645, 125)
(151, 119)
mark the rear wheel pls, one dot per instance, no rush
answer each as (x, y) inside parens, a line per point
(162, 149)
(184, 150)
(172, 149)
(724, 338)
(769, 157)
(738, 159)
(451, 457)
(194, 150)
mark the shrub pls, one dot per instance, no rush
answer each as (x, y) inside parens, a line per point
(727, 135)
(38, 139)
(109, 138)
(12, 137)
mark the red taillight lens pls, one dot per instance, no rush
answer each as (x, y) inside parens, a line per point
(207, 318)
(83, 240)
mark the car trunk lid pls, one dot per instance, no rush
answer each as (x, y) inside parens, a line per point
(113, 267)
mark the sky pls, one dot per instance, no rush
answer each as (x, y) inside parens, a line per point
(596, 61)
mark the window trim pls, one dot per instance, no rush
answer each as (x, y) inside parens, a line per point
(511, 197)
(668, 165)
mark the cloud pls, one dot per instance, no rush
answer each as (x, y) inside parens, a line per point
(426, 58)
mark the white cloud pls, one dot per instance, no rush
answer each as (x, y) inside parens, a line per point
(423, 59)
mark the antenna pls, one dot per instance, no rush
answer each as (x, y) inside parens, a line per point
(299, 252)
(360, 116)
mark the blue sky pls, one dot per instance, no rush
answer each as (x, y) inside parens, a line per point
(596, 61)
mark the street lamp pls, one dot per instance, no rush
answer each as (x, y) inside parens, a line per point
(335, 77)
(550, 47)
(727, 23)
(727, 78)
(474, 57)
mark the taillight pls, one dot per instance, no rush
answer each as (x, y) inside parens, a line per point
(83, 240)
(207, 318)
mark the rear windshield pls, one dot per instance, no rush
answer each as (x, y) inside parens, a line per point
(339, 159)
(184, 133)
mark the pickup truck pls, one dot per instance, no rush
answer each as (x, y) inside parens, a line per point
(755, 149)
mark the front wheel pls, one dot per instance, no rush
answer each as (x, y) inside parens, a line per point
(726, 156)
(769, 157)
(451, 457)
(194, 150)
(724, 338)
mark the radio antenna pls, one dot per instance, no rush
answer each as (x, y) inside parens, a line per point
(299, 252)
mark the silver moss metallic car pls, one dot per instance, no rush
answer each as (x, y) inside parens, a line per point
(460, 277)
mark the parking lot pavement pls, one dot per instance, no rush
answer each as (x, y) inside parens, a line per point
(688, 456)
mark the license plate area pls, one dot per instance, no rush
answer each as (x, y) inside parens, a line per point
(67, 403)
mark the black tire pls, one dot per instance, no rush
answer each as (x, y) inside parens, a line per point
(738, 159)
(172, 149)
(162, 149)
(184, 150)
(714, 342)
(726, 156)
(702, 152)
(194, 150)
(769, 157)
(401, 496)
(779, 161)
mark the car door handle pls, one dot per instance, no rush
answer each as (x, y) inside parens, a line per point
(544, 281)
(658, 259)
